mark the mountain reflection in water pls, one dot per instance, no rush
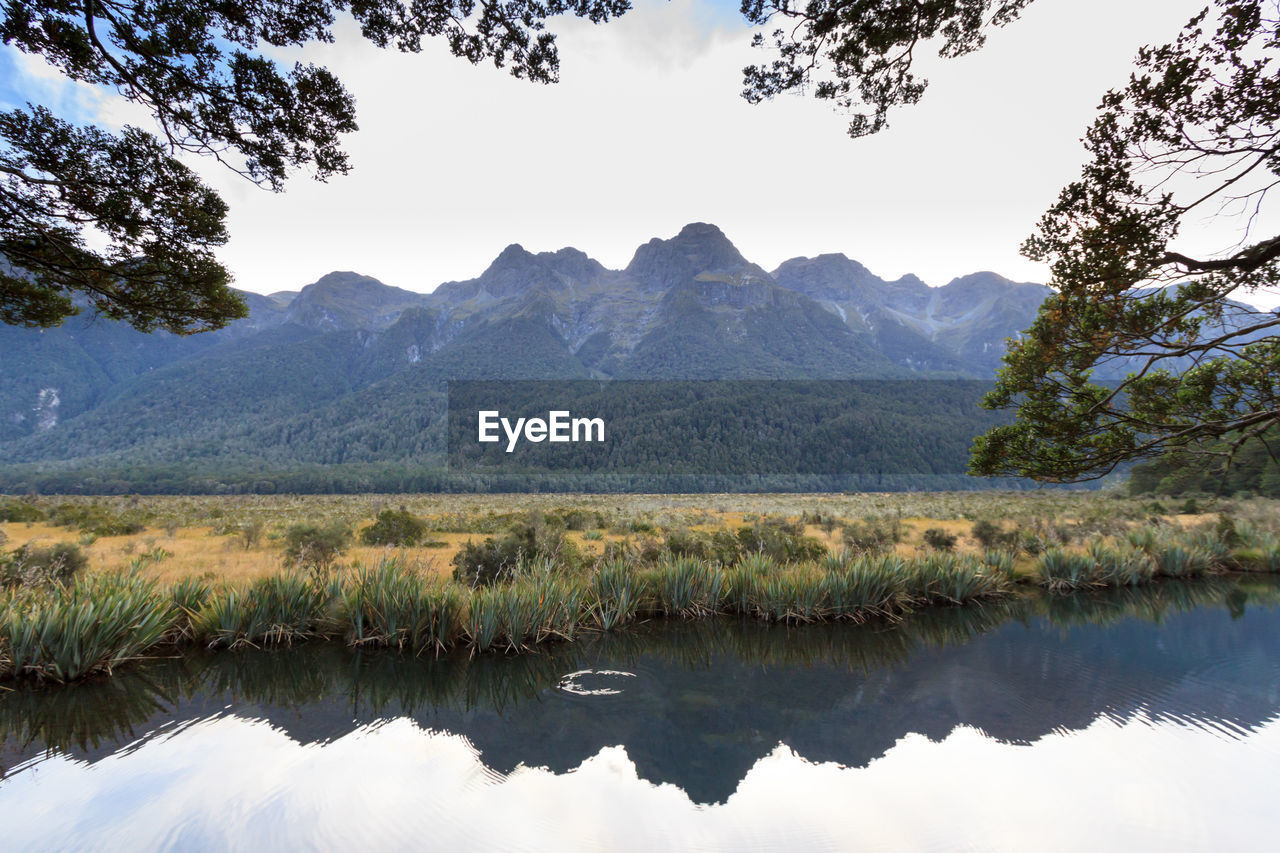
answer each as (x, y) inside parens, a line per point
(1153, 711)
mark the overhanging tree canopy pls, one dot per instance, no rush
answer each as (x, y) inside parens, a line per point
(859, 54)
(1194, 134)
(115, 218)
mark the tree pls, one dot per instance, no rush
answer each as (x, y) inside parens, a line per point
(859, 53)
(199, 68)
(1196, 126)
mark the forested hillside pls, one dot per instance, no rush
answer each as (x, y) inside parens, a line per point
(340, 384)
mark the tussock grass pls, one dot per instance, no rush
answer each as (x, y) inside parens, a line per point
(391, 604)
(89, 626)
(953, 579)
(1062, 571)
(688, 587)
(865, 586)
(272, 610)
(1139, 557)
(616, 594)
(1121, 566)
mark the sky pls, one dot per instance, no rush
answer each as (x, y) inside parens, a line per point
(646, 132)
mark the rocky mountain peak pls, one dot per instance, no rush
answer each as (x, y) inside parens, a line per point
(348, 300)
(910, 280)
(573, 263)
(517, 270)
(984, 282)
(699, 248)
(513, 255)
(829, 276)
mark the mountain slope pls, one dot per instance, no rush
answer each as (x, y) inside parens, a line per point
(350, 371)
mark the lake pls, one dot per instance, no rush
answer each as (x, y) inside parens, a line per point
(1132, 720)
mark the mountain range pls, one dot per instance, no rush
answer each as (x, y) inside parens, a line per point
(349, 371)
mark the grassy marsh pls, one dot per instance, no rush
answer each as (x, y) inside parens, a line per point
(579, 563)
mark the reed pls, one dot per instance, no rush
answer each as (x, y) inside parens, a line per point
(688, 587)
(563, 606)
(1063, 571)
(1121, 565)
(1212, 547)
(89, 626)
(1143, 538)
(808, 596)
(390, 604)
(616, 592)
(519, 611)
(272, 610)
(953, 579)
(866, 586)
(1177, 560)
(1000, 562)
(744, 584)
(1269, 551)
(186, 598)
(484, 618)
(779, 598)
(439, 622)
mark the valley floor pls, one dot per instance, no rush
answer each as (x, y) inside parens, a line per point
(239, 538)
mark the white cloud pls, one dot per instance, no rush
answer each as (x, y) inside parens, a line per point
(232, 783)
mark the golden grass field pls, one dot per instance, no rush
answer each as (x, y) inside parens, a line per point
(199, 536)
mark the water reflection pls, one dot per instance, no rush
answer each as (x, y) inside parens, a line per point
(730, 735)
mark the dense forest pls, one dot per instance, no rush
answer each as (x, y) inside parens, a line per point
(662, 437)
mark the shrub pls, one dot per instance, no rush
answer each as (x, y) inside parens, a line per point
(97, 519)
(499, 559)
(683, 542)
(314, 548)
(689, 587)
(579, 519)
(492, 561)
(30, 566)
(275, 609)
(992, 536)
(395, 527)
(186, 597)
(939, 539)
(864, 586)
(782, 540)
(1121, 565)
(20, 511)
(1226, 531)
(1173, 559)
(865, 537)
(719, 547)
(391, 605)
(251, 533)
(616, 594)
(1001, 562)
(953, 579)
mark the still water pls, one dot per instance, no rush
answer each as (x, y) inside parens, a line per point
(1129, 721)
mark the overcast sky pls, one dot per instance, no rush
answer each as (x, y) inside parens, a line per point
(646, 132)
